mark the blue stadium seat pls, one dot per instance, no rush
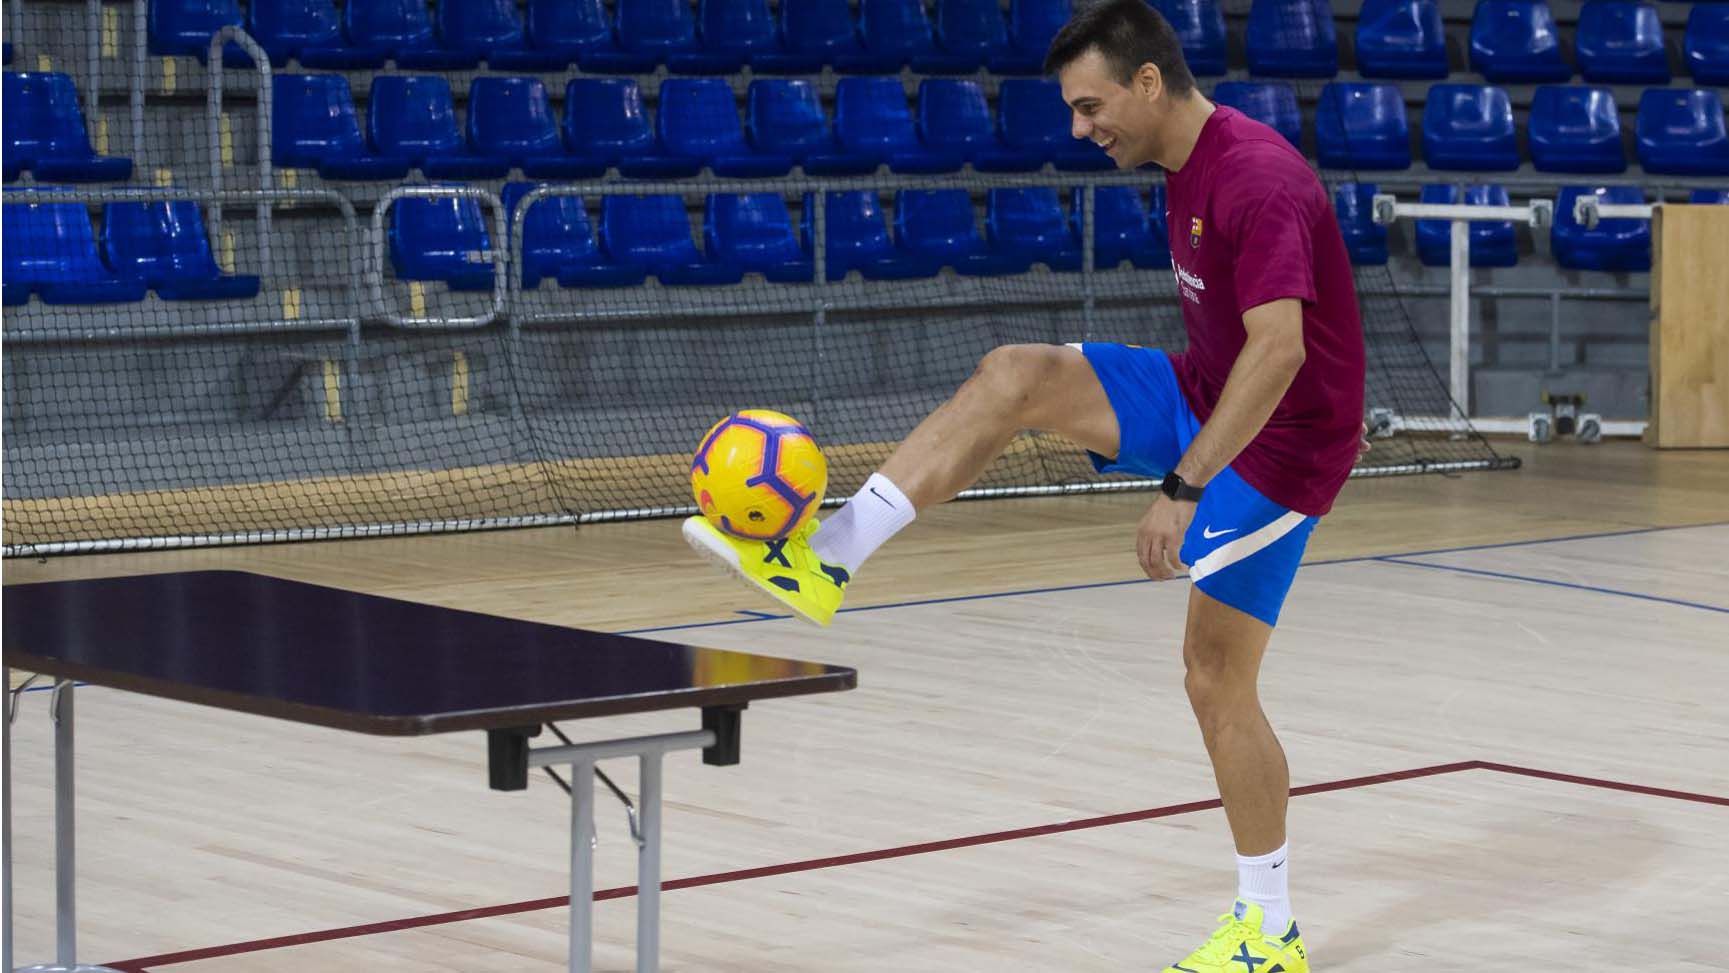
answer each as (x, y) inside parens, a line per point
(1681, 131)
(872, 119)
(1709, 197)
(1470, 127)
(1401, 39)
(1034, 119)
(510, 120)
(1362, 125)
(666, 29)
(1492, 244)
(1621, 42)
(698, 119)
(785, 117)
(400, 30)
(443, 239)
(1365, 240)
(49, 248)
(1575, 128)
(1706, 43)
(1032, 24)
(1516, 40)
(968, 33)
(822, 30)
(315, 128)
(1616, 245)
(558, 242)
(858, 239)
(754, 233)
(1158, 223)
(1029, 224)
(954, 118)
(1200, 27)
(1292, 39)
(1124, 228)
(491, 30)
(288, 29)
(44, 132)
(654, 232)
(1272, 103)
(606, 125)
(941, 224)
(164, 244)
(184, 27)
(414, 117)
(747, 28)
(581, 31)
(895, 33)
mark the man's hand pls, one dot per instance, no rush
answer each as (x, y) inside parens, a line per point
(1159, 539)
(1363, 446)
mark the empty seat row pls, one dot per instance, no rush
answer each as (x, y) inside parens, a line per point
(1571, 128)
(1620, 245)
(51, 251)
(639, 236)
(1616, 41)
(411, 123)
(45, 132)
(719, 36)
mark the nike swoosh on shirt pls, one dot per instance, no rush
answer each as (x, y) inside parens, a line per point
(1209, 533)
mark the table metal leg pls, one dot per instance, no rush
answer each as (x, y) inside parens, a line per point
(581, 758)
(581, 865)
(648, 868)
(6, 822)
(65, 845)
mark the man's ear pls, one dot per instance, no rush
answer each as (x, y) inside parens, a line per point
(1149, 81)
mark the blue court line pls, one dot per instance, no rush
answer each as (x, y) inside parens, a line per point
(1399, 559)
(765, 617)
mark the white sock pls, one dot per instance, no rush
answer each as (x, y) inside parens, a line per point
(1264, 880)
(876, 513)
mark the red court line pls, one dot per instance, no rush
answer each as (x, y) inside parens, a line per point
(1606, 784)
(141, 964)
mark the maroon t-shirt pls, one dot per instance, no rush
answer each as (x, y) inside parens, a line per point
(1250, 223)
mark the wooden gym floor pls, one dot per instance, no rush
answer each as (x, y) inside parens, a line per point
(1501, 695)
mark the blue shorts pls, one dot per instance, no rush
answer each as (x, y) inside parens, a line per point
(1242, 549)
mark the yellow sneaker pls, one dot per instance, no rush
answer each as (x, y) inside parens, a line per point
(1239, 946)
(788, 570)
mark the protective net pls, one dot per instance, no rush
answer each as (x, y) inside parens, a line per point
(247, 306)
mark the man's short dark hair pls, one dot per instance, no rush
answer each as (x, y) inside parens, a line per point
(1129, 33)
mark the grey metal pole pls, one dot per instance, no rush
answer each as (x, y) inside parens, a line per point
(65, 845)
(140, 62)
(1087, 259)
(1460, 308)
(93, 62)
(648, 868)
(6, 824)
(582, 865)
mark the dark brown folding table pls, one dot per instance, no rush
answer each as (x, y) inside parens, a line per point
(369, 664)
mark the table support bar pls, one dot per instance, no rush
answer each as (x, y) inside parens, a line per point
(60, 709)
(650, 751)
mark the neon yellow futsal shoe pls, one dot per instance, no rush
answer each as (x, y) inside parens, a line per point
(787, 570)
(1239, 946)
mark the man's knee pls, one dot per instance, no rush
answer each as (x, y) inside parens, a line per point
(1025, 377)
(1219, 686)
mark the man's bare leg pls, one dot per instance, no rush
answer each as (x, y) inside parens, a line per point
(1015, 387)
(1222, 652)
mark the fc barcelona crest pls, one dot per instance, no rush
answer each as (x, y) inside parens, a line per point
(1194, 232)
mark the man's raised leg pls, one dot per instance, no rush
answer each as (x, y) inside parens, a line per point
(1050, 388)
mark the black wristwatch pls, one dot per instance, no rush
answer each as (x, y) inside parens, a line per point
(1173, 486)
